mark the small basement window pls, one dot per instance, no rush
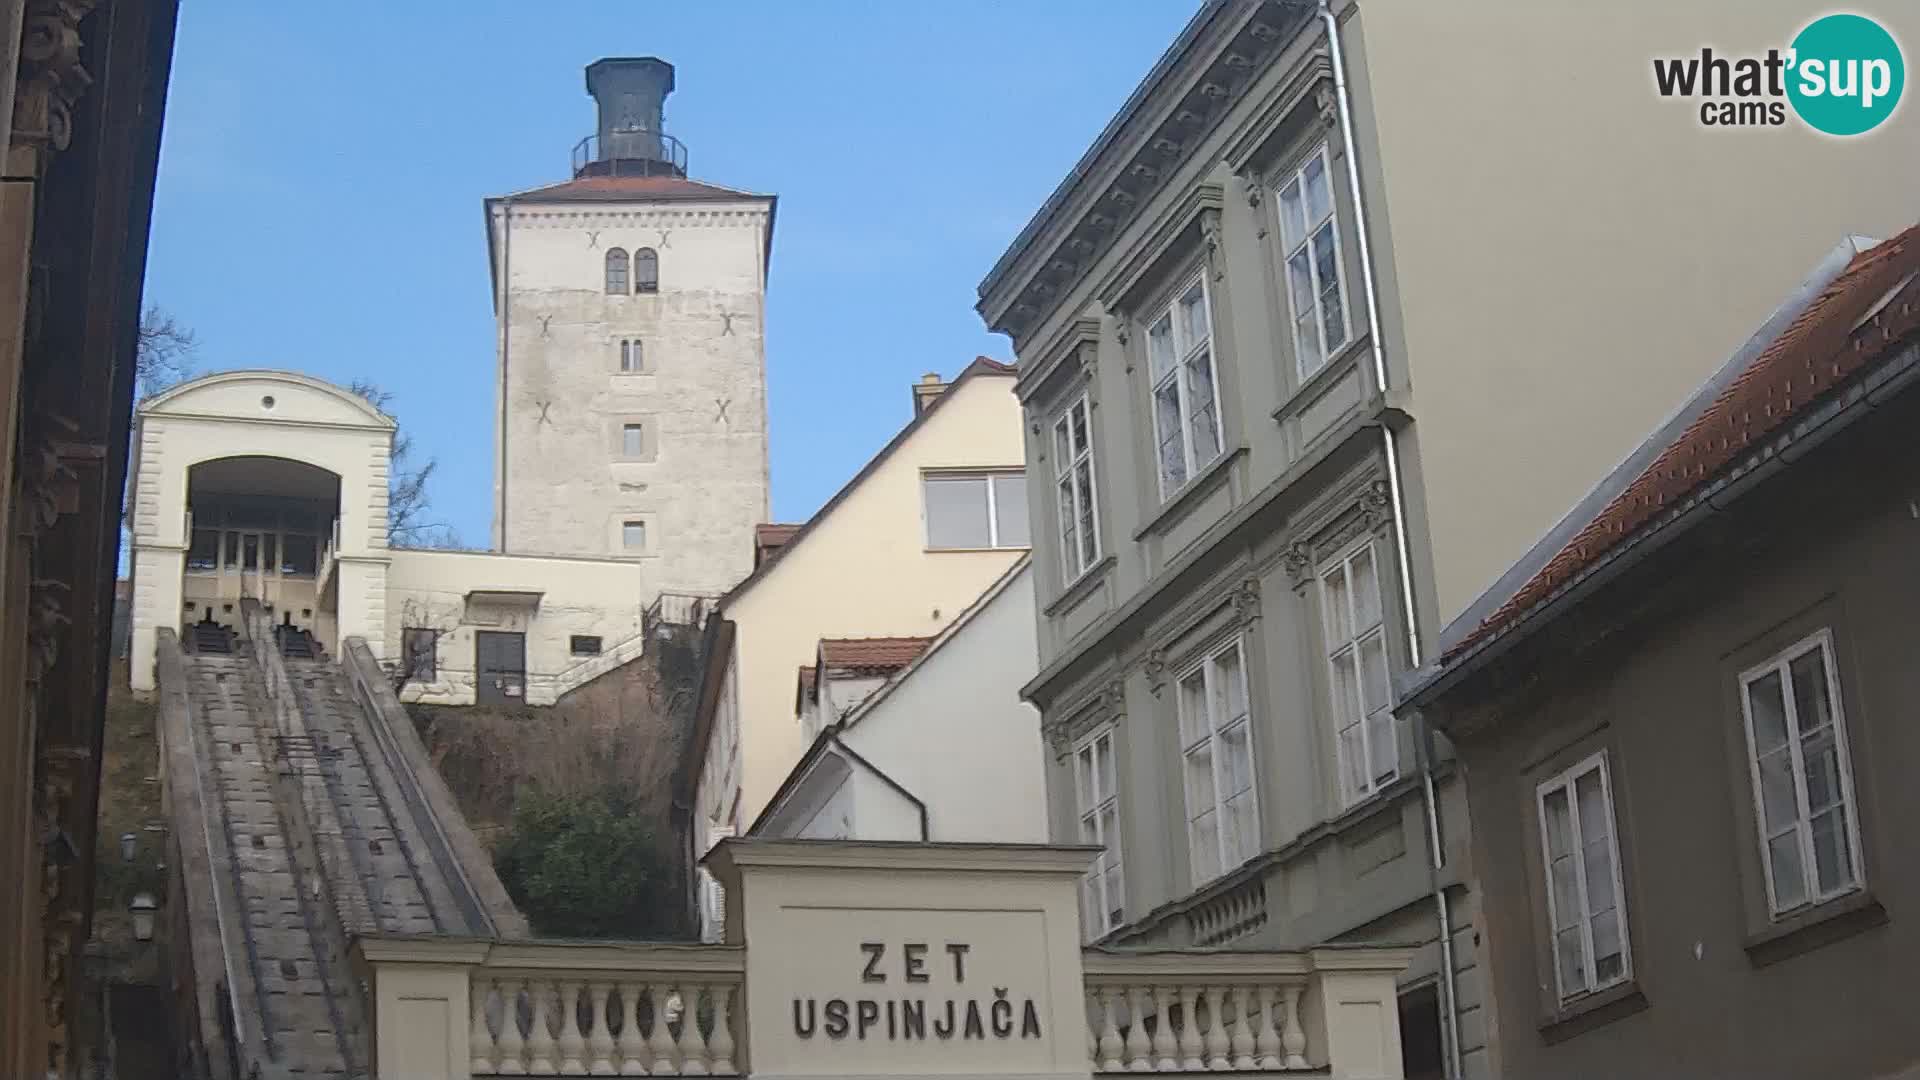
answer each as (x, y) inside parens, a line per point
(584, 644)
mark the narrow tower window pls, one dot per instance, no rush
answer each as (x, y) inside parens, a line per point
(646, 271)
(616, 272)
(630, 358)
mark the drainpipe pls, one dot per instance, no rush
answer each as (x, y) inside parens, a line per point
(1450, 1017)
(506, 341)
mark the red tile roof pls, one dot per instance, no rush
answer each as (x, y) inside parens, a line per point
(620, 188)
(1815, 353)
(872, 654)
(768, 539)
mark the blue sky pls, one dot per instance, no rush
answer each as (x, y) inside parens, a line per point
(323, 166)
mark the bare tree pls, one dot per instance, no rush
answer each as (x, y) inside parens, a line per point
(407, 499)
(163, 353)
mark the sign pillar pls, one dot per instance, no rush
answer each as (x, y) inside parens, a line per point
(901, 960)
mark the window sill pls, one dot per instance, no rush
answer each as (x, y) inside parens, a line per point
(1598, 1009)
(1335, 369)
(1841, 917)
(1203, 481)
(1078, 589)
(976, 550)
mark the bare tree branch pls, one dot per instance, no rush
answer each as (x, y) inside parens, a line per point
(163, 353)
(407, 498)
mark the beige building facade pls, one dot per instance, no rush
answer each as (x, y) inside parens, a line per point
(630, 309)
(899, 552)
(1343, 309)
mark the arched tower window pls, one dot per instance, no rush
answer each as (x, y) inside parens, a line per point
(646, 271)
(616, 272)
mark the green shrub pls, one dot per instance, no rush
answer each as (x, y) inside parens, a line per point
(585, 864)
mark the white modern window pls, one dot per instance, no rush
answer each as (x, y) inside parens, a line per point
(1586, 906)
(968, 511)
(1216, 746)
(632, 359)
(1802, 776)
(633, 535)
(1073, 482)
(1310, 233)
(1103, 890)
(632, 440)
(1186, 412)
(1366, 741)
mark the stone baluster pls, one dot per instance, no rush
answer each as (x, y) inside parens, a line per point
(722, 1042)
(659, 1039)
(479, 1040)
(600, 1043)
(1218, 1047)
(633, 1045)
(1137, 1046)
(1094, 1020)
(1293, 1038)
(1163, 1036)
(513, 1049)
(540, 1039)
(693, 1048)
(1109, 1032)
(1243, 1028)
(1266, 1040)
(573, 1047)
(1191, 1047)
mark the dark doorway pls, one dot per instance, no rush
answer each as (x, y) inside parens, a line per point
(1421, 1053)
(500, 662)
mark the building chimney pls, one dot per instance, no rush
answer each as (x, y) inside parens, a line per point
(631, 137)
(924, 391)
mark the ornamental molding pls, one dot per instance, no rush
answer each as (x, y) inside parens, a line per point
(1105, 706)
(1155, 666)
(1299, 561)
(1246, 602)
(51, 78)
(1172, 121)
(527, 216)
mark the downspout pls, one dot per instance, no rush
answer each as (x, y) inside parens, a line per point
(1450, 1016)
(506, 339)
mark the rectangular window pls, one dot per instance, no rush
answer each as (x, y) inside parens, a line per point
(633, 535)
(1073, 481)
(584, 645)
(1366, 740)
(1586, 906)
(203, 553)
(976, 510)
(1310, 233)
(632, 441)
(1216, 744)
(419, 649)
(1802, 776)
(1186, 413)
(1097, 798)
(630, 355)
(300, 556)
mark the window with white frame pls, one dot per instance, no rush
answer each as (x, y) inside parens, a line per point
(1216, 746)
(1366, 741)
(1586, 906)
(1186, 412)
(1097, 798)
(1073, 483)
(1802, 777)
(1310, 233)
(976, 510)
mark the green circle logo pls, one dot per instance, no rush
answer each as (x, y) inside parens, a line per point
(1846, 74)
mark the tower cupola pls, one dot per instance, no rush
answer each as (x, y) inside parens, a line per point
(630, 139)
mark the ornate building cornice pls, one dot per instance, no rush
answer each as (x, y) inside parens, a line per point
(51, 78)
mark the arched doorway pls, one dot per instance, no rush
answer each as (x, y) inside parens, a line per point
(264, 528)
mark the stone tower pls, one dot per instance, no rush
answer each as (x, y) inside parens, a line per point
(631, 376)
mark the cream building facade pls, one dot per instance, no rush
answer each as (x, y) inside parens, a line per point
(943, 750)
(630, 303)
(879, 560)
(1346, 306)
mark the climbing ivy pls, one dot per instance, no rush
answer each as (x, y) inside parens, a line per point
(586, 864)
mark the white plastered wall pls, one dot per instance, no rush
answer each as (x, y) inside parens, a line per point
(576, 596)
